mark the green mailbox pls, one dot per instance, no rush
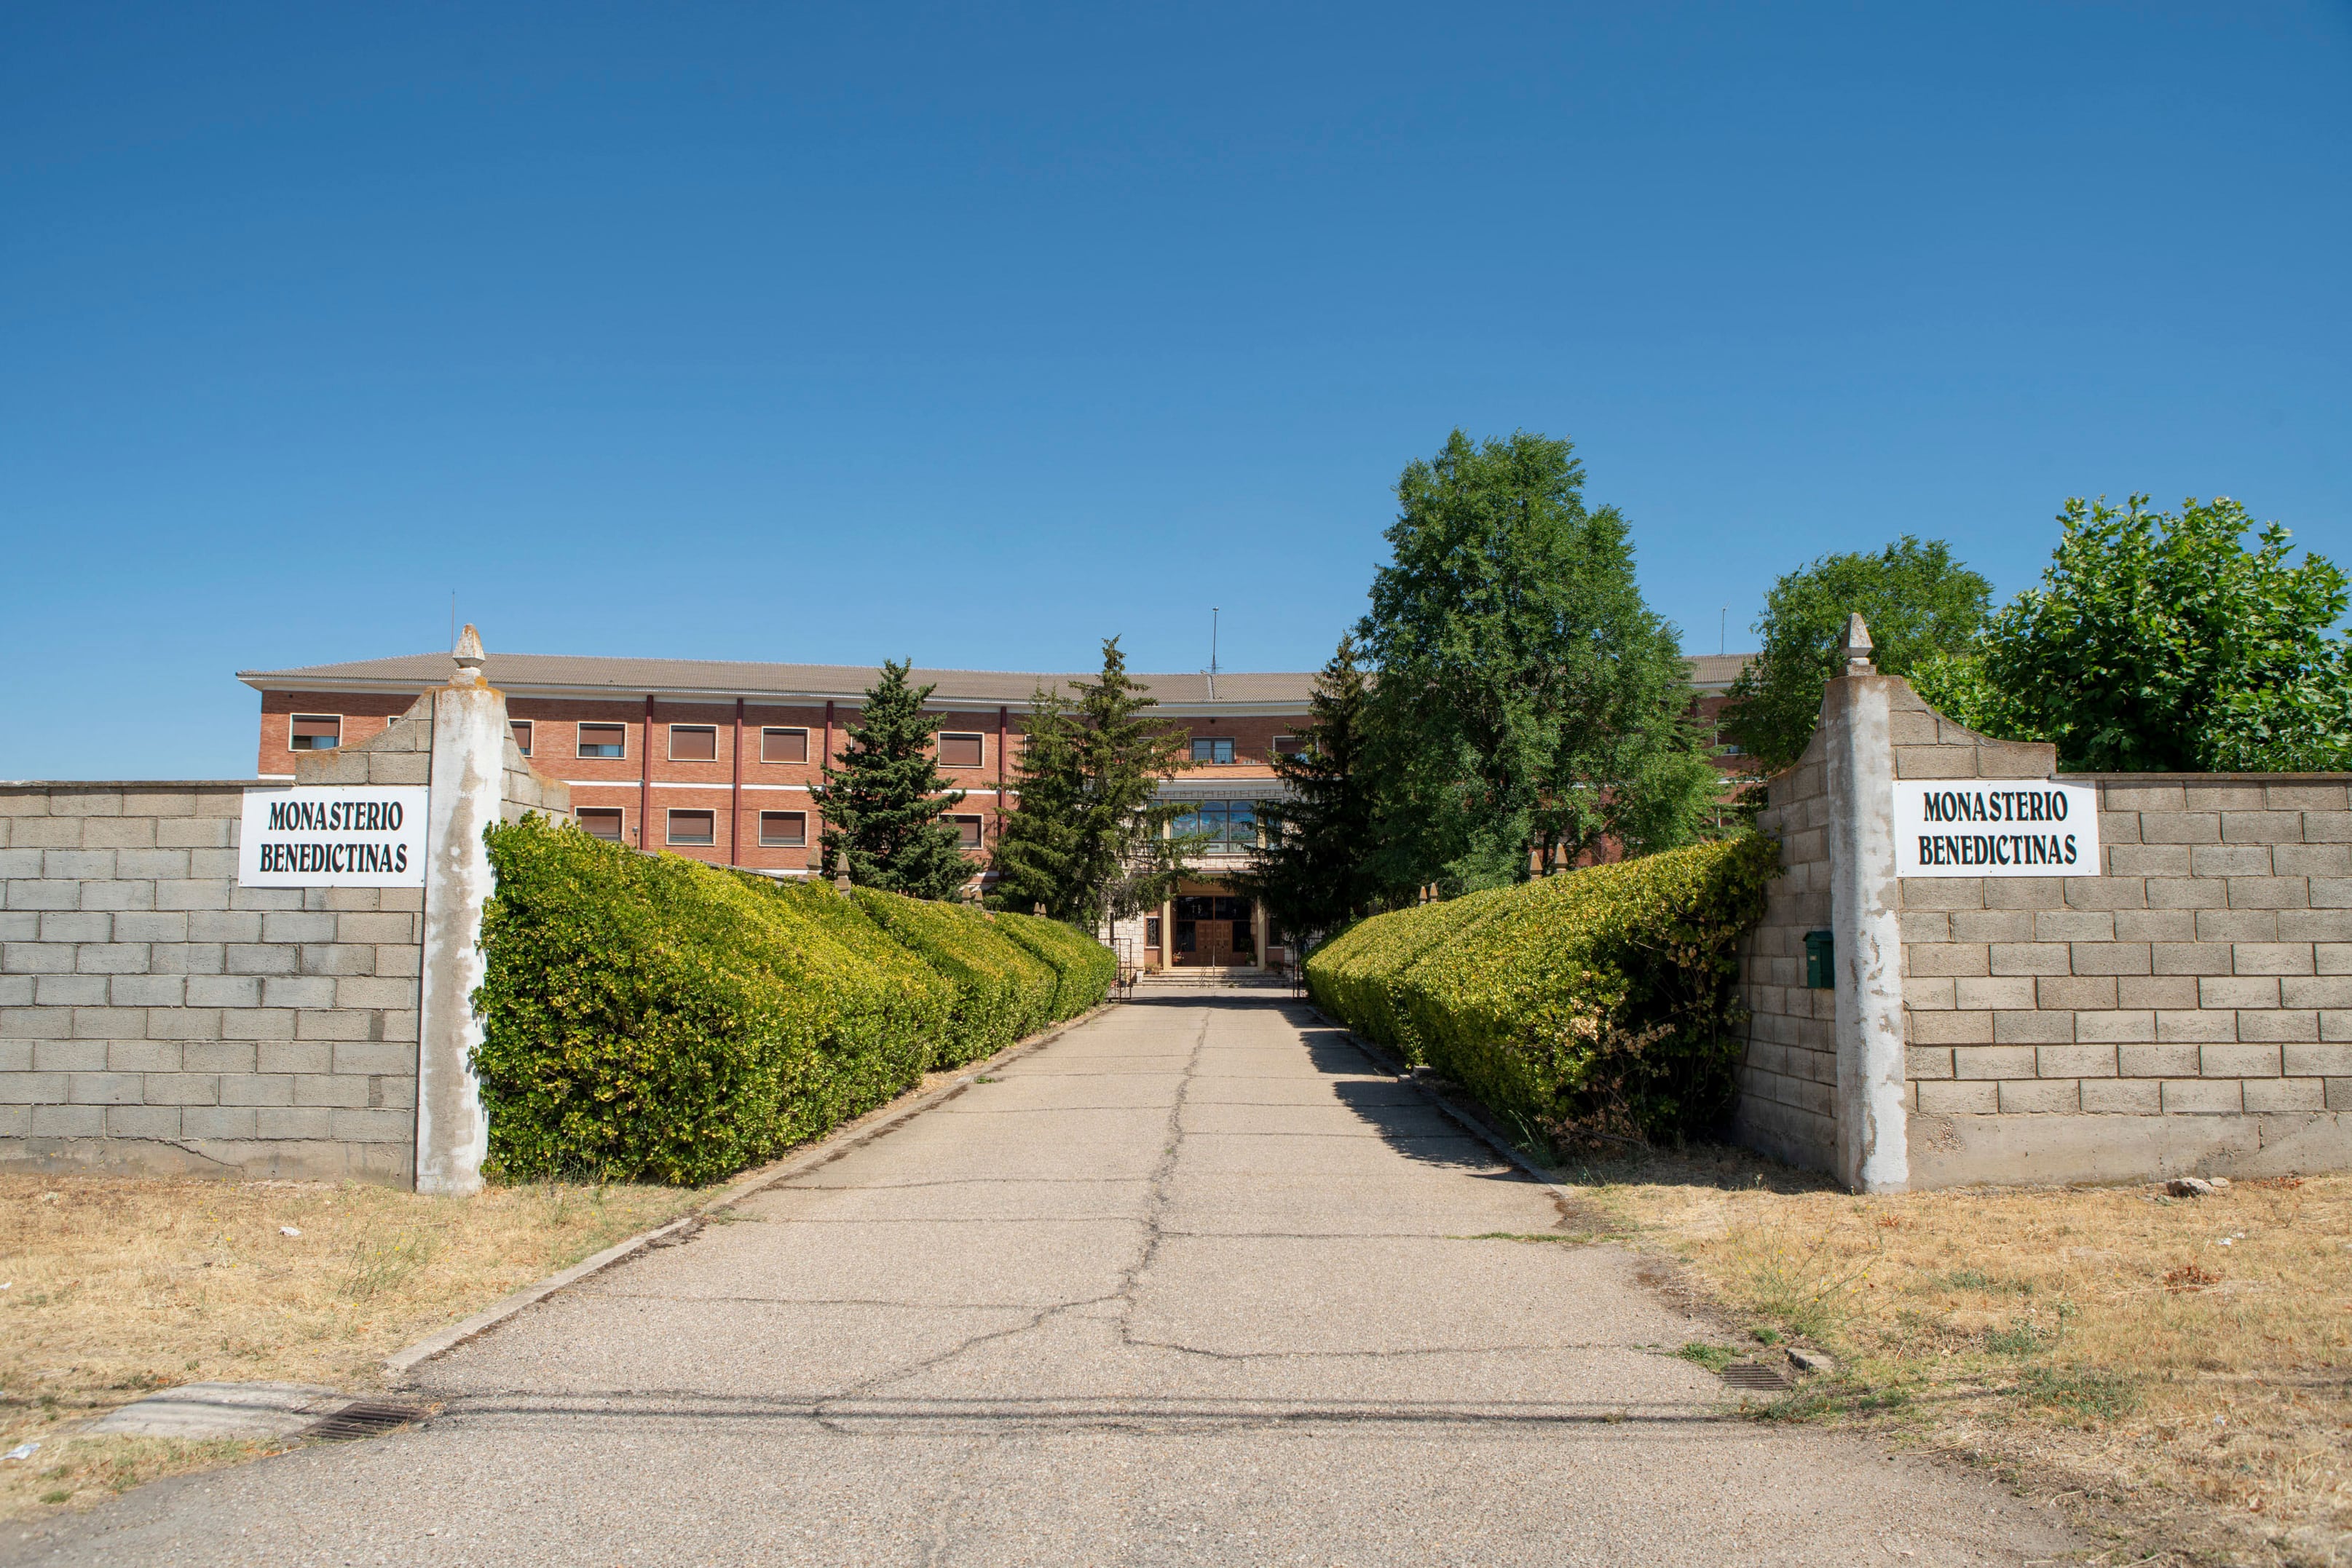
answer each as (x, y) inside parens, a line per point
(1821, 962)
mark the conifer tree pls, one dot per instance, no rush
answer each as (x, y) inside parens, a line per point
(1313, 875)
(1037, 846)
(1087, 840)
(882, 804)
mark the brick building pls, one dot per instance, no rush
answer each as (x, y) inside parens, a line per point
(716, 760)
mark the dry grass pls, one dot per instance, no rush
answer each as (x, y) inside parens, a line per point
(2185, 1365)
(116, 1286)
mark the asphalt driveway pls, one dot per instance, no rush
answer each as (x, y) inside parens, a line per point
(1192, 1284)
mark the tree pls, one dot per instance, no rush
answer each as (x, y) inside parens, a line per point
(883, 805)
(1312, 876)
(2159, 644)
(1919, 603)
(1038, 847)
(1529, 705)
(1087, 840)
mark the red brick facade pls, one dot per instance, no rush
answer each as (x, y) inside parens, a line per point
(713, 754)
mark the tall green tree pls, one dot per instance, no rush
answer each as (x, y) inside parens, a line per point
(1313, 875)
(882, 804)
(2159, 643)
(1088, 838)
(1529, 704)
(1918, 600)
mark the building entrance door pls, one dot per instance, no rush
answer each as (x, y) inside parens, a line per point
(1216, 932)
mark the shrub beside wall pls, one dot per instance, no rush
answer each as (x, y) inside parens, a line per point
(1602, 1000)
(650, 1018)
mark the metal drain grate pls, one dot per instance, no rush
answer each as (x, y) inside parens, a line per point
(365, 1419)
(1754, 1374)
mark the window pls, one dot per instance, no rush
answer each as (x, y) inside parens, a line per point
(960, 751)
(1213, 749)
(1289, 745)
(693, 827)
(522, 727)
(1227, 827)
(603, 740)
(599, 822)
(315, 732)
(1151, 932)
(785, 829)
(967, 831)
(1204, 907)
(693, 743)
(783, 745)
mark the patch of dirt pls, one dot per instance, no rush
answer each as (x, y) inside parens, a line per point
(2177, 1372)
(116, 1286)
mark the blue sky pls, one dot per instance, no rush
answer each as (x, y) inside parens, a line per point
(975, 335)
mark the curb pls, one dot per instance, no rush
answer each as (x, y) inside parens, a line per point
(885, 1118)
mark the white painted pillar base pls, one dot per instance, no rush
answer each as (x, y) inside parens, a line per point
(1865, 926)
(453, 1131)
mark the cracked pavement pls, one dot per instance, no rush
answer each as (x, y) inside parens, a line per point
(1192, 1284)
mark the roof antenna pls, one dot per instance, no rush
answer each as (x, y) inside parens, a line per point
(1723, 631)
(453, 620)
(1212, 653)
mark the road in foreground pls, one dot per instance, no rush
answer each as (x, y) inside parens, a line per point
(1191, 1284)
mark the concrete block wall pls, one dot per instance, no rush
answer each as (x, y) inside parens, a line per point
(155, 1017)
(2188, 1009)
(1788, 1078)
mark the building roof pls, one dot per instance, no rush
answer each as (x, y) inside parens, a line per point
(690, 679)
(1712, 672)
(573, 674)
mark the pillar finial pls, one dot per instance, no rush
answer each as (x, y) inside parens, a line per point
(1854, 652)
(841, 870)
(470, 659)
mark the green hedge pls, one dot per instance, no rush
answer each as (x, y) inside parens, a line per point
(650, 1018)
(1002, 991)
(1349, 975)
(1602, 1000)
(1086, 969)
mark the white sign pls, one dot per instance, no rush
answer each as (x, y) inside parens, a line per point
(333, 836)
(1995, 827)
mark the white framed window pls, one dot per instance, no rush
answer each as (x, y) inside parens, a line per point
(599, 822)
(521, 729)
(783, 830)
(603, 740)
(958, 751)
(1289, 745)
(314, 731)
(693, 743)
(968, 833)
(693, 827)
(778, 743)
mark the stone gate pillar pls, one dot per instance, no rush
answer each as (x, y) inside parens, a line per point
(470, 743)
(1866, 923)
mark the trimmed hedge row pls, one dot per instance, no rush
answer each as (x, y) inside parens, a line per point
(1598, 1002)
(1003, 990)
(651, 1018)
(1085, 969)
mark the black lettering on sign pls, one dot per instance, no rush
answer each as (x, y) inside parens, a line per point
(1993, 806)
